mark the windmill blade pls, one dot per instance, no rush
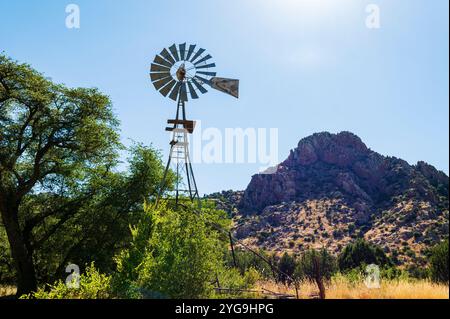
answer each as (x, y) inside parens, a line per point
(199, 86)
(165, 90)
(159, 68)
(161, 61)
(212, 65)
(159, 76)
(176, 90)
(192, 91)
(205, 81)
(191, 49)
(173, 50)
(182, 50)
(160, 83)
(203, 59)
(229, 86)
(183, 92)
(197, 54)
(207, 73)
(166, 55)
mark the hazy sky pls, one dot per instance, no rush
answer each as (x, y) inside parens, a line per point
(305, 66)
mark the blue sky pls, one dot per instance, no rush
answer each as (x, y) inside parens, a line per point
(305, 66)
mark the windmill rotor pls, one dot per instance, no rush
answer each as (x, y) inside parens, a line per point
(182, 71)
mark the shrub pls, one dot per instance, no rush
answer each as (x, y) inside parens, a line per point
(234, 282)
(418, 272)
(351, 228)
(246, 260)
(316, 266)
(306, 268)
(337, 233)
(174, 254)
(360, 253)
(92, 285)
(287, 266)
(439, 262)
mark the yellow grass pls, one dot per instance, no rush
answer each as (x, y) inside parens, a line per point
(6, 291)
(341, 288)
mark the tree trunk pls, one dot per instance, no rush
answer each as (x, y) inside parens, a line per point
(318, 276)
(22, 256)
(321, 286)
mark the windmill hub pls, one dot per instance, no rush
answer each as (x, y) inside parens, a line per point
(180, 71)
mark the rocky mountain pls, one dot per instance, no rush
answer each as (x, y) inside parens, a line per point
(332, 189)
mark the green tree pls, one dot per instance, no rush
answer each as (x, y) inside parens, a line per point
(307, 264)
(176, 254)
(48, 133)
(316, 266)
(286, 266)
(439, 262)
(98, 227)
(7, 271)
(362, 253)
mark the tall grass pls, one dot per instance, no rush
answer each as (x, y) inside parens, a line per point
(6, 291)
(341, 287)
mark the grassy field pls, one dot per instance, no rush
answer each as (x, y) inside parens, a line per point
(342, 288)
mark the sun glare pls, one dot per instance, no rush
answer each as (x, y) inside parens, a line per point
(304, 9)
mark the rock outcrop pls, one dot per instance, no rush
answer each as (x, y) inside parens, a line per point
(325, 163)
(332, 189)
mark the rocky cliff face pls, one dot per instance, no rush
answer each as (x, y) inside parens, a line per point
(333, 188)
(341, 165)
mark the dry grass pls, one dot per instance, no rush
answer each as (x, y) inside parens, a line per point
(341, 288)
(6, 291)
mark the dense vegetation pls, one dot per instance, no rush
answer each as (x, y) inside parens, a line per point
(63, 201)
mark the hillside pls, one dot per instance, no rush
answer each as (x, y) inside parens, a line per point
(332, 189)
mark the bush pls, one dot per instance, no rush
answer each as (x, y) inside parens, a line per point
(306, 268)
(439, 262)
(417, 272)
(174, 254)
(92, 285)
(231, 279)
(246, 260)
(287, 266)
(360, 253)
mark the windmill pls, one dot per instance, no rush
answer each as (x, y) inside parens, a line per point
(179, 72)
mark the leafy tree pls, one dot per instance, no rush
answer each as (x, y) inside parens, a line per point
(7, 272)
(306, 267)
(61, 199)
(317, 266)
(99, 226)
(286, 265)
(439, 262)
(176, 254)
(48, 133)
(362, 253)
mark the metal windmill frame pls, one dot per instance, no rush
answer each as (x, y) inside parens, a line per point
(177, 72)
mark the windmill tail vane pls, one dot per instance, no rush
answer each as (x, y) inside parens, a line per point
(180, 72)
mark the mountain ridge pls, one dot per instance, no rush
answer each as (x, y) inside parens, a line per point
(332, 189)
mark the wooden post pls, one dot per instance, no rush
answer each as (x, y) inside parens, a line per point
(232, 249)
